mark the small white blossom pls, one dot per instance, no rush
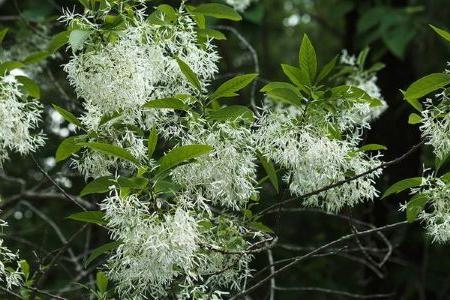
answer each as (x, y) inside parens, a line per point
(437, 217)
(154, 249)
(10, 275)
(239, 5)
(18, 119)
(435, 126)
(227, 175)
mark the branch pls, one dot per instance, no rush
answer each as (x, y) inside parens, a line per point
(325, 246)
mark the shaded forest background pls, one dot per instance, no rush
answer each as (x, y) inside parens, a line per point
(398, 35)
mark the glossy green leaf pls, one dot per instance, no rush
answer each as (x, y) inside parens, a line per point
(297, 76)
(443, 33)
(284, 95)
(68, 147)
(101, 282)
(3, 33)
(58, 41)
(112, 150)
(326, 70)
(182, 154)
(68, 116)
(232, 113)
(36, 57)
(211, 33)
(168, 103)
(402, 185)
(230, 87)
(426, 85)
(30, 86)
(9, 66)
(152, 141)
(307, 58)
(98, 186)
(414, 119)
(94, 217)
(414, 206)
(373, 147)
(97, 252)
(270, 171)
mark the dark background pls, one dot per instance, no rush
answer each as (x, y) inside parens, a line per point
(398, 35)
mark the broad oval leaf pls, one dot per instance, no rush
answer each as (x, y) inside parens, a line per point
(285, 95)
(296, 75)
(307, 58)
(426, 85)
(280, 85)
(443, 33)
(112, 150)
(169, 103)
(232, 113)
(218, 11)
(98, 186)
(9, 66)
(414, 119)
(68, 147)
(58, 41)
(402, 185)
(36, 57)
(211, 33)
(230, 87)
(182, 154)
(327, 69)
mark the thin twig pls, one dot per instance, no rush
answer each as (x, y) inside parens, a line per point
(317, 250)
(335, 292)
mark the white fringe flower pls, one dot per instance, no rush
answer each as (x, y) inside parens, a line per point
(154, 249)
(10, 274)
(227, 175)
(18, 119)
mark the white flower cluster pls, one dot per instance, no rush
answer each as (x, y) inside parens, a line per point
(19, 117)
(227, 175)
(363, 111)
(435, 125)
(437, 217)
(10, 275)
(314, 160)
(154, 249)
(239, 5)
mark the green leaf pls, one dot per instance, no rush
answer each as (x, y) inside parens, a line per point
(284, 95)
(25, 268)
(443, 33)
(110, 116)
(152, 141)
(232, 113)
(414, 119)
(36, 57)
(58, 41)
(9, 66)
(414, 206)
(327, 69)
(77, 39)
(133, 183)
(211, 33)
(170, 13)
(68, 147)
(94, 217)
(189, 74)
(426, 85)
(112, 150)
(230, 87)
(98, 186)
(102, 282)
(166, 187)
(218, 11)
(169, 103)
(402, 185)
(446, 177)
(270, 170)
(307, 58)
(261, 227)
(68, 116)
(373, 147)
(30, 87)
(279, 85)
(106, 248)
(3, 33)
(182, 154)
(297, 76)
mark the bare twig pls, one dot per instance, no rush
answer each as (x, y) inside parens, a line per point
(317, 250)
(335, 292)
